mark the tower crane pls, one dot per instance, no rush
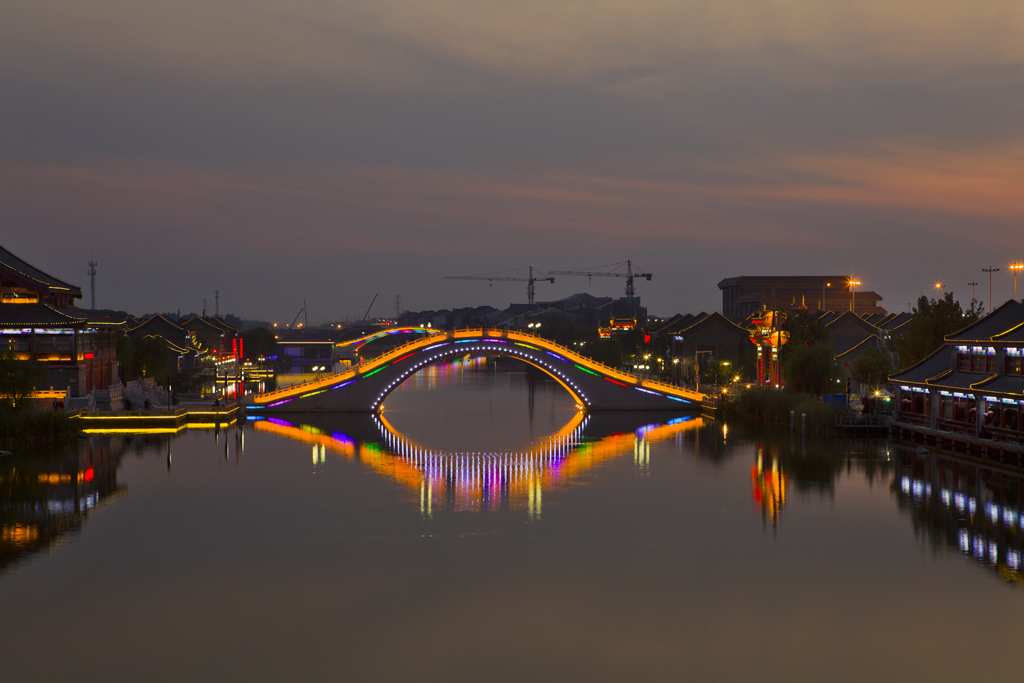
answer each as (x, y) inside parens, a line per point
(491, 278)
(629, 275)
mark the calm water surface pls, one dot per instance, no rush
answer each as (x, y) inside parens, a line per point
(483, 530)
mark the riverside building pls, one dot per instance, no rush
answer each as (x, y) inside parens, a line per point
(39, 321)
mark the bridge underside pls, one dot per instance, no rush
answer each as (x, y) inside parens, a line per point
(593, 386)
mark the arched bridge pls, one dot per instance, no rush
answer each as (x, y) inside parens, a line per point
(363, 389)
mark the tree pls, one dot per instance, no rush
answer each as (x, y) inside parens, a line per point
(933, 320)
(259, 341)
(872, 368)
(18, 379)
(140, 357)
(804, 329)
(812, 369)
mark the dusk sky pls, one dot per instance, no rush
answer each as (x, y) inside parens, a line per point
(328, 151)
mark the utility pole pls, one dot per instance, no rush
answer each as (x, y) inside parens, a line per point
(92, 282)
(1015, 267)
(990, 270)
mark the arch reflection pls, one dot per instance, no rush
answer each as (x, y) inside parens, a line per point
(485, 481)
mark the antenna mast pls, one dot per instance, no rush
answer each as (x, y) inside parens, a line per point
(92, 282)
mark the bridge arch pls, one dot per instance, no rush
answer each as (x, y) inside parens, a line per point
(446, 352)
(594, 386)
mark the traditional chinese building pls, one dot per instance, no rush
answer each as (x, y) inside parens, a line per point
(39, 321)
(972, 388)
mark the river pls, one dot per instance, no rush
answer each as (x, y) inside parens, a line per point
(482, 529)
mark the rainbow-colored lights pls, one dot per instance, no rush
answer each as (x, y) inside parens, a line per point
(437, 346)
(482, 481)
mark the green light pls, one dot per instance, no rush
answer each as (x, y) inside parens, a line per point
(373, 373)
(585, 370)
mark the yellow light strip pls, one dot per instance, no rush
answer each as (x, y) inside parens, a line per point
(477, 333)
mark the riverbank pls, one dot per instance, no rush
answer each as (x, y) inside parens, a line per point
(766, 406)
(20, 428)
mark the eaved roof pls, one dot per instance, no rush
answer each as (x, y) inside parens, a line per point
(895, 320)
(1012, 335)
(851, 319)
(706, 319)
(91, 318)
(163, 327)
(677, 322)
(847, 345)
(22, 272)
(218, 322)
(938, 363)
(1003, 319)
(20, 316)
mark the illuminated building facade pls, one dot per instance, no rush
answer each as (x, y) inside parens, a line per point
(970, 389)
(39, 321)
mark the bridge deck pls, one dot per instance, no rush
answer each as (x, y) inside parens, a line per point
(522, 339)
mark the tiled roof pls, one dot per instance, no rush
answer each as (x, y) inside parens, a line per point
(18, 269)
(35, 315)
(91, 318)
(847, 345)
(715, 317)
(1004, 385)
(159, 325)
(940, 361)
(1002, 319)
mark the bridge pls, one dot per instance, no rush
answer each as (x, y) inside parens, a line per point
(592, 385)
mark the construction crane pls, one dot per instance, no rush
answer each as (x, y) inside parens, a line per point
(491, 278)
(629, 275)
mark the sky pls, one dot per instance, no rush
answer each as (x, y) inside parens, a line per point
(328, 152)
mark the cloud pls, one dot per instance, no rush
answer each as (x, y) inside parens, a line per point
(766, 135)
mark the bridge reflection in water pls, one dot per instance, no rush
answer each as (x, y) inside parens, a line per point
(483, 481)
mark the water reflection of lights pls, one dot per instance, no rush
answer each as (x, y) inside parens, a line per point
(433, 376)
(768, 485)
(992, 538)
(482, 481)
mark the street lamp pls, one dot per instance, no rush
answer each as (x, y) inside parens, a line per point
(827, 284)
(990, 270)
(1015, 267)
(972, 285)
(852, 283)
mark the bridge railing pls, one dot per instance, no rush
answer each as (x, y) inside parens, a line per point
(354, 371)
(441, 337)
(605, 369)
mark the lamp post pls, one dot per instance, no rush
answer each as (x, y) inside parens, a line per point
(990, 270)
(852, 283)
(823, 286)
(939, 286)
(1015, 267)
(972, 285)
